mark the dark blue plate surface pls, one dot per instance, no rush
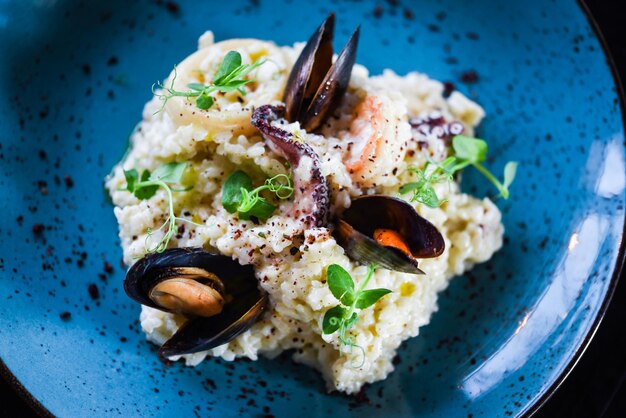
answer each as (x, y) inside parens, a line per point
(74, 77)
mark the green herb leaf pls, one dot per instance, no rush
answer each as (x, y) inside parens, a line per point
(343, 318)
(229, 77)
(232, 61)
(204, 101)
(340, 283)
(468, 151)
(232, 85)
(410, 187)
(131, 178)
(369, 297)
(239, 72)
(423, 190)
(231, 191)
(510, 169)
(473, 150)
(145, 192)
(428, 196)
(333, 318)
(146, 185)
(261, 209)
(239, 197)
(169, 172)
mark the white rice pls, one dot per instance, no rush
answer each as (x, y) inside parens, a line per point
(299, 295)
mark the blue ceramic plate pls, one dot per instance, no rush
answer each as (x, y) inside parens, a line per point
(75, 76)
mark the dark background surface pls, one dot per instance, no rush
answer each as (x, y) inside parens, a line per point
(597, 386)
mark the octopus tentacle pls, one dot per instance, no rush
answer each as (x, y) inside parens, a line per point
(311, 194)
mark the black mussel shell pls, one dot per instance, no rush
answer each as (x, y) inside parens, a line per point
(156, 267)
(309, 69)
(246, 302)
(315, 87)
(355, 230)
(200, 334)
(333, 86)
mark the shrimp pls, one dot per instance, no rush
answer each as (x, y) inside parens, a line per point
(377, 140)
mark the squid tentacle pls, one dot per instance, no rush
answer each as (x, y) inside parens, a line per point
(311, 193)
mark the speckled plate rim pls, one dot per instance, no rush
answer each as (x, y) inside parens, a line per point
(533, 408)
(621, 255)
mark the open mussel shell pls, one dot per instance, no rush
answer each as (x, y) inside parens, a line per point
(315, 87)
(356, 227)
(332, 87)
(237, 283)
(200, 334)
(154, 268)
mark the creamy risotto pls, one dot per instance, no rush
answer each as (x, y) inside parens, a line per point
(290, 254)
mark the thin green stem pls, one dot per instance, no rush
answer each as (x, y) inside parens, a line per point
(170, 222)
(174, 93)
(503, 191)
(370, 272)
(343, 328)
(223, 84)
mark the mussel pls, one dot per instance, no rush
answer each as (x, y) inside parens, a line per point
(388, 231)
(219, 297)
(316, 85)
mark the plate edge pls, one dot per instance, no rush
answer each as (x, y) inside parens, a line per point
(26, 396)
(533, 408)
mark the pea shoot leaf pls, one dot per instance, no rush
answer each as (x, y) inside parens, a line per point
(471, 149)
(232, 61)
(204, 101)
(232, 85)
(146, 185)
(409, 187)
(229, 77)
(262, 209)
(510, 169)
(169, 172)
(341, 284)
(468, 151)
(333, 319)
(369, 297)
(131, 178)
(145, 192)
(239, 197)
(428, 196)
(231, 192)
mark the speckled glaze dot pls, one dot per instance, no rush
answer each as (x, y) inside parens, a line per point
(76, 76)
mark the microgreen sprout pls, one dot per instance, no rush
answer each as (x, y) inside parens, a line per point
(239, 197)
(468, 151)
(343, 316)
(146, 186)
(229, 77)
(427, 177)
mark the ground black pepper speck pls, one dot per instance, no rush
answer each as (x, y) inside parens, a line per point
(94, 293)
(469, 77)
